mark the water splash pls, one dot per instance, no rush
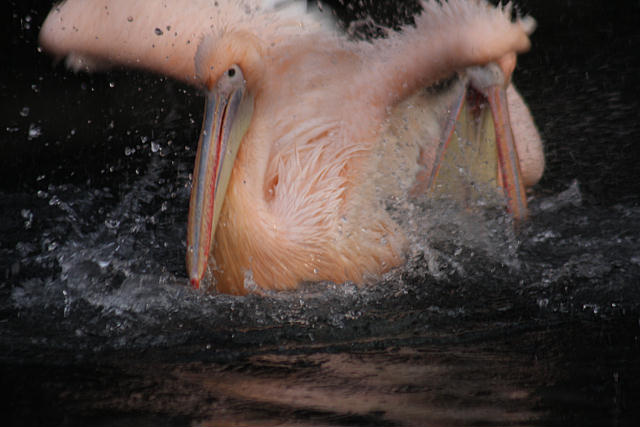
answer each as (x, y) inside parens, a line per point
(106, 268)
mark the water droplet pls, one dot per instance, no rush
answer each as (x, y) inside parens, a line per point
(24, 112)
(130, 18)
(112, 84)
(592, 307)
(28, 216)
(155, 147)
(129, 151)
(34, 131)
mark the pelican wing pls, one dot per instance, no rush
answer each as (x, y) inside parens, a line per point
(448, 37)
(161, 35)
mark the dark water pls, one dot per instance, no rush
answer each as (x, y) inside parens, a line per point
(98, 327)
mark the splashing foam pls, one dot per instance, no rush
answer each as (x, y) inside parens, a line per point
(115, 267)
(447, 232)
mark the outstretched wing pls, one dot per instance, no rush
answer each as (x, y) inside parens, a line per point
(448, 37)
(161, 35)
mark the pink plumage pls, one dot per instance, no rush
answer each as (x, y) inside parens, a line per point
(303, 202)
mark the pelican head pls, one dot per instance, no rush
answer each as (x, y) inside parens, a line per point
(227, 115)
(229, 67)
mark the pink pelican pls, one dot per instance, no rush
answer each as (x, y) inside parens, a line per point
(296, 150)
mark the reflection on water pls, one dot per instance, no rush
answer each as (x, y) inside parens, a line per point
(450, 385)
(520, 375)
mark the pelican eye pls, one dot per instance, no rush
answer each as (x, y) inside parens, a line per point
(233, 75)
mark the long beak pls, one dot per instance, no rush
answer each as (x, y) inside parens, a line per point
(510, 175)
(477, 138)
(226, 117)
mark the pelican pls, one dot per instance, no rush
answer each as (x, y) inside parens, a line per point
(297, 144)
